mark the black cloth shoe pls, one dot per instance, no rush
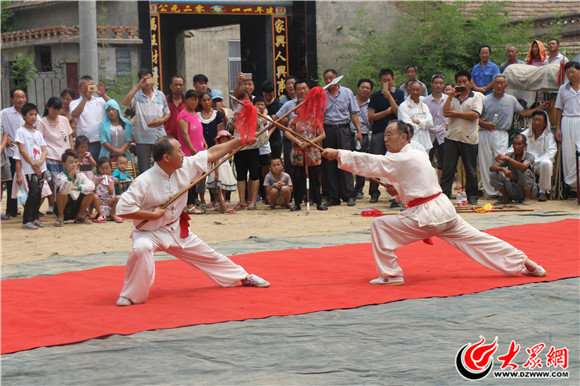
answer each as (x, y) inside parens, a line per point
(394, 204)
(295, 208)
(374, 199)
(351, 202)
(333, 203)
(360, 196)
(472, 200)
(321, 207)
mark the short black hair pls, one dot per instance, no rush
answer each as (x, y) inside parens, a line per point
(483, 46)
(572, 63)
(300, 81)
(541, 113)
(14, 90)
(401, 126)
(330, 70)
(86, 77)
(463, 73)
(197, 78)
(173, 77)
(103, 160)
(276, 159)
(143, 72)
(258, 98)
(161, 147)
(365, 80)
(80, 139)
(268, 86)
(28, 107)
(386, 71)
(412, 66)
(437, 76)
(70, 92)
(190, 94)
(68, 153)
(556, 40)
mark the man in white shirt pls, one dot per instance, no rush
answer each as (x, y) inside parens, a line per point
(438, 132)
(542, 145)
(151, 113)
(89, 111)
(168, 229)
(429, 213)
(568, 125)
(555, 55)
(416, 113)
(11, 121)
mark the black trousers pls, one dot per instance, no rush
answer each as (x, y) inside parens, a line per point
(340, 183)
(299, 183)
(32, 205)
(11, 203)
(377, 146)
(360, 180)
(468, 153)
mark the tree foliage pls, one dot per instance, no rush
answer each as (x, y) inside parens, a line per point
(437, 37)
(23, 70)
(7, 16)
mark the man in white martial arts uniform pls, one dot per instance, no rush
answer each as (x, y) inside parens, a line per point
(542, 145)
(416, 113)
(168, 229)
(429, 212)
(568, 124)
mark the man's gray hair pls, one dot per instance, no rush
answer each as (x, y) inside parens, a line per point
(500, 76)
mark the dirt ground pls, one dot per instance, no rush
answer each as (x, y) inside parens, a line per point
(20, 246)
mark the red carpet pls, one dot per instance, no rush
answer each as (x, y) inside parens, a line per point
(77, 306)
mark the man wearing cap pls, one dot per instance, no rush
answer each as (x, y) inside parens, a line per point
(175, 103)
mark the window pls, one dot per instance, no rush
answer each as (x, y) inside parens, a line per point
(43, 58)
(234, 63)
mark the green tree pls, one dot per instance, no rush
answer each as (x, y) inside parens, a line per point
(23, 70)
(7, 17)
(437, 37)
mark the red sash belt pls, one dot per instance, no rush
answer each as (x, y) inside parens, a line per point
(421, 200)
(184, 224)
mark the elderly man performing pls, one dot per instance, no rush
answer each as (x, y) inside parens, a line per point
(168, 229)
(429, 212)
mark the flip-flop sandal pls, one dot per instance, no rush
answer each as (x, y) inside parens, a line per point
(232, 211)
(59, 222)
(29, 226)
(39, 223)
(83, 220)
(240, 206)
(100, 220)
(252, 206)
(119, 220)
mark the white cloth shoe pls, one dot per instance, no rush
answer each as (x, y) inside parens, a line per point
(399, 280)
(538, 272)
(124, 302)
(255, 281)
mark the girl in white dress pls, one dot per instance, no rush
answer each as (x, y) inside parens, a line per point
(222, 180)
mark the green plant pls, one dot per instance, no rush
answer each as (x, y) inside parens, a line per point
(120, 85)
(437, 37)
(7, 17)
(23, 70)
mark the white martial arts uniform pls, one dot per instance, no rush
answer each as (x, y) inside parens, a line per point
(568, 100)
(411, 174)
(154, 188)
(544, 151)
(409, 110)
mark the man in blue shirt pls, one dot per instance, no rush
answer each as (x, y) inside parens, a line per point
(341, 109)
(383, 108)
(483, 72)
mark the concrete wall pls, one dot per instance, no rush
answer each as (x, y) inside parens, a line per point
(207, 53)
(334, 19)
(67, 13)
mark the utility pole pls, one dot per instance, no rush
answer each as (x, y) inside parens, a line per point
(88, 39)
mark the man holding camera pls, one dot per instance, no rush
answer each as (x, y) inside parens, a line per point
(89, 111)
(463, 108)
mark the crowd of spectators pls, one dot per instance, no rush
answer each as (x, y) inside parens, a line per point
(85, 150)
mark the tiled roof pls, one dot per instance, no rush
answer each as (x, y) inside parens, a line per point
(65, 32)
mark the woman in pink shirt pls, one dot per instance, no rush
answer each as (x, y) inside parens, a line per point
(190, 136)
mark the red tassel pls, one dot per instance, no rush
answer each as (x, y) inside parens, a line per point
(247, 121)
(314, 108)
